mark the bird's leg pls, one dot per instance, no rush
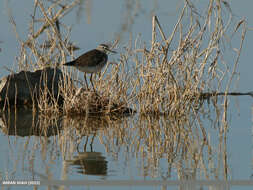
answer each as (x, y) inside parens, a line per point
(92, 82)
(86, 81)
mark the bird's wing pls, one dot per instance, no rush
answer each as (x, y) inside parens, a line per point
(91, 58)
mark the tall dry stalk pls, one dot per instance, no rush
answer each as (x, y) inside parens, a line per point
(166, 76)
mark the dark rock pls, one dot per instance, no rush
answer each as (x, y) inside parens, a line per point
(25, 87)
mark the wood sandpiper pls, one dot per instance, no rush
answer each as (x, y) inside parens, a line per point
(92, 61)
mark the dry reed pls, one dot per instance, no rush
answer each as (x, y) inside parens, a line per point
(160, 79)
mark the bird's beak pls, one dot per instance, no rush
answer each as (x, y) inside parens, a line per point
(112, 51)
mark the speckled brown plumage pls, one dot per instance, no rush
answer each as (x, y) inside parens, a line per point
(93, 58)
(92, 61)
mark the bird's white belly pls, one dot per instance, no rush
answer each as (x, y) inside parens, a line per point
(91, 69)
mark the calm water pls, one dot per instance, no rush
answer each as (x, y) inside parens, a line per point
(126, 148)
